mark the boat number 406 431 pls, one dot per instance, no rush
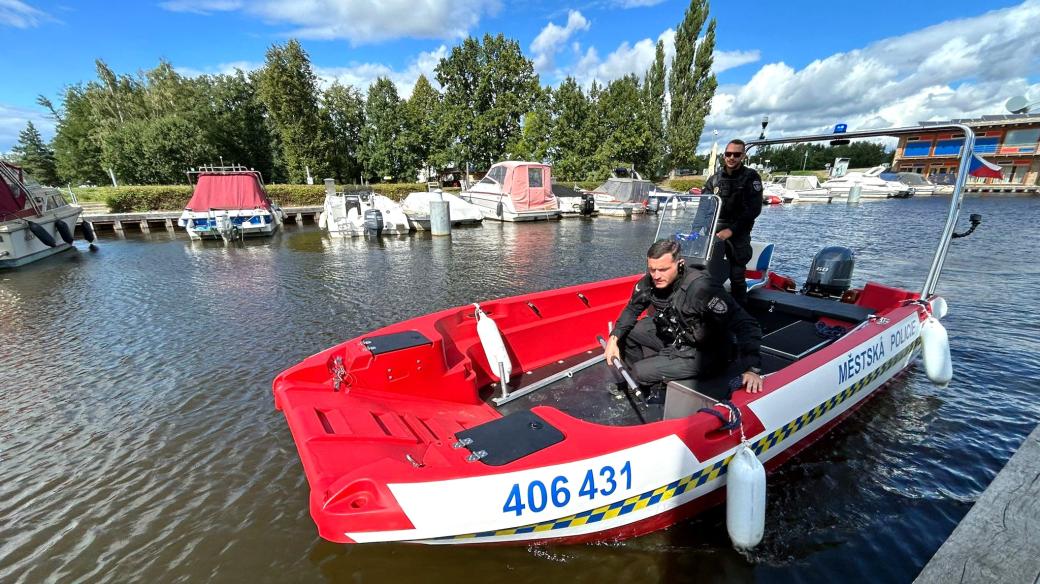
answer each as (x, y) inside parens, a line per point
(536, 495)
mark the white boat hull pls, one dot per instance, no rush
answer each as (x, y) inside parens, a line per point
(18, 245)
(231, 224)
(500, 208)
(345, 220)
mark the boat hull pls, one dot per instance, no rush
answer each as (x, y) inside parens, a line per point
(382, 461)
(496, 207)
(18, 246)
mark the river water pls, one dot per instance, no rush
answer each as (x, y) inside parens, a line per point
(139, 441)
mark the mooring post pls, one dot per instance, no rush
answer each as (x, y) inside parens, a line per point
(299, 218)
(440, 217)
(854, 193)
(169, 224)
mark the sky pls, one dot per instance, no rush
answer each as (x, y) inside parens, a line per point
(807, 65)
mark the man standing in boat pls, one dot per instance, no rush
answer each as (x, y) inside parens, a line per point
(686, 333)
(740, 189)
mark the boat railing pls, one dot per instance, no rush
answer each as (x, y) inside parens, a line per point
(932, 279)
(224, 169)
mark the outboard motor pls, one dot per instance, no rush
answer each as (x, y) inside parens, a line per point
(588, 204)
(374, 221)
(653, 204)
(830, 274)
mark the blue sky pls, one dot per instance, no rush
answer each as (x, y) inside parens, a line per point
(806, 64)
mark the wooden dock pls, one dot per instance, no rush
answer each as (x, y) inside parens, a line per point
(999, 539)
(145, 222)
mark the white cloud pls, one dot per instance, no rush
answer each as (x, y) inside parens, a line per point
(362, 75)
(20, 15)
(725, 60)
(359, 21)
(553, 38)
(220, 69)
(960, 68)
(637, 3)
(13, 120)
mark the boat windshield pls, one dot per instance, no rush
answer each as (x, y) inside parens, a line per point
(690, 221)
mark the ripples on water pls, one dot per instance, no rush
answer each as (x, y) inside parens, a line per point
(138, 440)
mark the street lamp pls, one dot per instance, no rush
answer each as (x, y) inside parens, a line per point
(765, 122)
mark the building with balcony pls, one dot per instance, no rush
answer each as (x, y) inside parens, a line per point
(1010, 141)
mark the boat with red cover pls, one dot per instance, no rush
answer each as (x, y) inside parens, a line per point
(229, 202)
(496, 423)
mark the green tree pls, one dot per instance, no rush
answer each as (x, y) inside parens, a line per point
(422, 136)
(238, 129)
(288, 88)
(573, 142)
(381, 151)
(654, 107)
(33, 154)
(488, 86)
(625, 130)
(534, 142)
(691, 84)
(345, 109)
(77, 152)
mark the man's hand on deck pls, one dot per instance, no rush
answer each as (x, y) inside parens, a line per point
(752, 382)
(612, 352)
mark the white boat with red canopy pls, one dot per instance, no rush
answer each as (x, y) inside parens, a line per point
(35, 221)
(515, 191)
(488, 423)
(229, 202)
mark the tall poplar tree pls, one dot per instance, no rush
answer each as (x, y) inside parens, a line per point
(691, 84)
(381, 151)
(572, 141)
(422, 136)
(288, 89)
(345, 108)
(654, 107)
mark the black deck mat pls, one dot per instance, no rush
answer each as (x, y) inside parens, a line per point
(510, 438)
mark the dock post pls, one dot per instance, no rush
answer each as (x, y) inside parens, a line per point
(854, 193)
(117, 225)
(440, 218)
(299, 218)
(144, 226)
(169, 225)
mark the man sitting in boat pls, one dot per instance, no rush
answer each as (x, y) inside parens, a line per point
(686, 333)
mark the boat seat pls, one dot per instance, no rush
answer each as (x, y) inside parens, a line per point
(761, 257)
(806, 307)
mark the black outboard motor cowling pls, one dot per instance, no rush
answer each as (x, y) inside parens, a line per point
(588, 204)
(830, 273)
(374, 221)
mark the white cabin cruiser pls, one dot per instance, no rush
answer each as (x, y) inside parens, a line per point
(35, 221)
(229, 203)
(872, 185)
(355, 213)
(515, 191)
(417, 208)
(792, 189)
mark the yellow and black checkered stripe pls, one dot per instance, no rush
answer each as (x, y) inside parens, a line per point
(702, 476)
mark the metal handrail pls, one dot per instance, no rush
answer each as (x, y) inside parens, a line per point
(928, 289)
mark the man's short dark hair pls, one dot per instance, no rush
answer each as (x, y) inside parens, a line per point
(738, 142)
(662, 247)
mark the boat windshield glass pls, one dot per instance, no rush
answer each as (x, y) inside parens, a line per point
(690, 221)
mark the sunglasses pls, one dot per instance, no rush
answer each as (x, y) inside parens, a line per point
(733, 154)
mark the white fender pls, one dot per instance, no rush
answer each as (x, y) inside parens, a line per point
(938, 307)
(323, 220)
(494, 348)
(935, 352)
(745, 499)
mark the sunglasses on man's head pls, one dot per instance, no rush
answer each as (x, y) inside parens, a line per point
(733, 154)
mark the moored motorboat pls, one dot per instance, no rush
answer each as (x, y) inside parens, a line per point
(871, 184)
(623, 194)
(793, 189)
(417, 207)
(426, 430)
(229, 203)
(515, 191)
(574, 202)
(35, 221)
(357, 212)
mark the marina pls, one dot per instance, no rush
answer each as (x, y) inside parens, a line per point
(123, 420)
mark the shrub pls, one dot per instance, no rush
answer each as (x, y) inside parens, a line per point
(684, 184)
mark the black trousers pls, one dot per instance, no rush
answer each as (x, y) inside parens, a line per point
(652, 362)
(738, 252)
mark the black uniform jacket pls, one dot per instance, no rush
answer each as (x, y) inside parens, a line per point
(709, 312)
(741, 194)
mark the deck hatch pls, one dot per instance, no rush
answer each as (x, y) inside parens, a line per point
(380, 344)
(510, 438)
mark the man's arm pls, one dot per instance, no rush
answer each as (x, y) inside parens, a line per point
(752, 204)
(639, 301)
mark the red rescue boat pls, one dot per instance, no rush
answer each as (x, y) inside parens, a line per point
(445, 429)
